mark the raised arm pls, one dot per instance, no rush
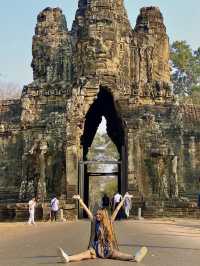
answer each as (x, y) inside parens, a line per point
(84, 206)
(119, 206)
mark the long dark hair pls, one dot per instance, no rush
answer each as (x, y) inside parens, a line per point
(107, 230)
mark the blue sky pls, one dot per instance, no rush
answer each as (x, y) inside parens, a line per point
(18, 19)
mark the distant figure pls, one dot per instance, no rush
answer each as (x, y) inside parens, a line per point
(54, 208)
(105, 202)
(127, 204)
(112, 203)
(117, 200)
(198, 200)
(31, 208)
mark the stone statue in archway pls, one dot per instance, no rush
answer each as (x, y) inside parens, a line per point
(174, 177)
(43, 148)
(164, 187)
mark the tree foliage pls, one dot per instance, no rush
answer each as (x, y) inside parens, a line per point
(111, 188)
(185, 68)
(103, 148)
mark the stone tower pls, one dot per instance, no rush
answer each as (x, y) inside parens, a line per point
(44, 105)
(102, 67)
(51, 47)
(118, 71)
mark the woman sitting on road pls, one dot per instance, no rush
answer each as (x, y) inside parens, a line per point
(102, 243)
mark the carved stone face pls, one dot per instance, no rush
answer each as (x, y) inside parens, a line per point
(103, 40)
(102, 51)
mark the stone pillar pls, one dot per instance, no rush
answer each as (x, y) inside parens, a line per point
(41, 193)
(71, 171)
(192, 152)
(181, 163)
(132, 182)
(174, 177)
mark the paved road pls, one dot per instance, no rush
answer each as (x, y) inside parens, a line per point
(170, 243)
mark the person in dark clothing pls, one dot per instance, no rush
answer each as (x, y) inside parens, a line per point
(105, 202)
(198, 203)
(54, 208)
(102, 242)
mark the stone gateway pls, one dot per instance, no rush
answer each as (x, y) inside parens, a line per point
(102, 67)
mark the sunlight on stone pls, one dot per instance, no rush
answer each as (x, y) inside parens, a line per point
(102, 148)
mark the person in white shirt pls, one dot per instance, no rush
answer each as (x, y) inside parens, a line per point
(128, 204)
(117, 200)
(31, 207)
(54, 208)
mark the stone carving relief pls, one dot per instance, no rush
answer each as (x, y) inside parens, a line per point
(174, 177)
(69, 67)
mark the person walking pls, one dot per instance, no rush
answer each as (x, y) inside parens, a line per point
(198, 201)
(31, 208)
(128, 204)
(102, 242)
(54, 208)
(117, 200)
(112, 208)
(105, 202)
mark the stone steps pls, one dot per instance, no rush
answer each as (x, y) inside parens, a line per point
(192, 212)
(191, 196)
(19, 212)
(170, 208)
(9, 193)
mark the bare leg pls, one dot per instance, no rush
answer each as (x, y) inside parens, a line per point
(88, 254)
(83, 256)
(140, 254)
(117, 255)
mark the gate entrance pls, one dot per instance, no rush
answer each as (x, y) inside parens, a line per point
(86, 176)
(103, 106)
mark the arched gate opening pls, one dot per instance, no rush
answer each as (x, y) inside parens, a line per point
(103, 106)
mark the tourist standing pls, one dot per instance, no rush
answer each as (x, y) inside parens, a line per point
(198, 202)
(105, 202)
(112, 207)
(117, 200)
(31, 208)
(127, 204)
(54, 208)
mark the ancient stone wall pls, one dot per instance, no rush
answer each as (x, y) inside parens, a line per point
(164, 151)
(102, 67)
(10, 148)
(44, 108)
(43, 124)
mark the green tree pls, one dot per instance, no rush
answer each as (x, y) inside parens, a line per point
(185, 68)
(103, 148)
(111, 188)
